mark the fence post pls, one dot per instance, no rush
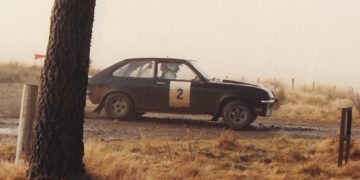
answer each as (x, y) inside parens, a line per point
(292, 84)
(27, 115)
(313, 86)
(345, 135)
(348, 135)
(341, 139)
(274, 84)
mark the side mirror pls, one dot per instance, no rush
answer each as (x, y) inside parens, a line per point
(197, 80)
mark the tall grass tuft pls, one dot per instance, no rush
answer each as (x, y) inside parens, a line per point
(321, 103)
(227, 140)
(19, 73)
(356, 101)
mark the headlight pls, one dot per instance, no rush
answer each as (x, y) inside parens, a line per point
(268, 101)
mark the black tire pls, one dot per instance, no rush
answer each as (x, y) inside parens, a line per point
(138, 114)
(118, 106)
(253, 119)
(237, 115)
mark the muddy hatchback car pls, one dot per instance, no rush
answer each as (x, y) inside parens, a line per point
(134, 86)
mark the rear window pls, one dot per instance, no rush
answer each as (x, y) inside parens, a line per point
(136, 69)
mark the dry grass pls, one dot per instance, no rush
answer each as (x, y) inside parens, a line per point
(356, 101)
(272, 158)
(8, 170)
(226, 140)
(12, 77)
(10, 95)
(320, 104)
(7, 152)
(19, 73)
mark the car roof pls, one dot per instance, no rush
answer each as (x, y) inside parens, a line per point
(159, 59)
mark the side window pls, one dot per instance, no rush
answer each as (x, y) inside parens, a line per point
(167, 70)
(121, 71)
(175, 71)
(185, 73)
(136, 69)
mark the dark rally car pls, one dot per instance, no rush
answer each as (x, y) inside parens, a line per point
(134, 86)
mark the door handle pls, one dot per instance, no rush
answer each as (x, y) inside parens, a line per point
(160, 83)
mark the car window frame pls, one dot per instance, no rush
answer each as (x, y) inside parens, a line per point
(129, 77)
(189, 65)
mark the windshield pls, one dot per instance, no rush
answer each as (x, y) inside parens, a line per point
(197, 67)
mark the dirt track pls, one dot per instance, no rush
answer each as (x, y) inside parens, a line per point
(176, 127)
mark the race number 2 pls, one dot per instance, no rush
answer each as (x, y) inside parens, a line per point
(179, 94)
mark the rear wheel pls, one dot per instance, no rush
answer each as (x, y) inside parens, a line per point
(138, 114)
(118, 106)
(237, 115)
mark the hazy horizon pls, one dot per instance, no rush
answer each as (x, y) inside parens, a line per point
(309, 40)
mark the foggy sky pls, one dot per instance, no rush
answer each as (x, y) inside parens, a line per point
(310, 40)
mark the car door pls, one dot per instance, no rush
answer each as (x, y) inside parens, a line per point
(137, 79)
(174, 87)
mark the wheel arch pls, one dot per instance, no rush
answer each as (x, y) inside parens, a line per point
(233, 97)
(100, 107)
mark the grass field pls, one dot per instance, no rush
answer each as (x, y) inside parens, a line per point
(319, 104)
(223, 158)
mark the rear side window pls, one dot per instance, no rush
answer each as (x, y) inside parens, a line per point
(136, 69)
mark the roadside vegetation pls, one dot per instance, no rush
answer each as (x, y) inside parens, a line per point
(225, 157)
(19, 73)
(270, 158)
(320, 104)
(12, 77)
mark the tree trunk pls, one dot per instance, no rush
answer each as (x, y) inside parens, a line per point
(58, 146)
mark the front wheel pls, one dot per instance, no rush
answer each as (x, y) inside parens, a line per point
(237, 115)
(118, 106)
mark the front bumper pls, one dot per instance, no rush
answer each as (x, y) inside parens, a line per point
(265, 108)
(271, 101)
(269, 106)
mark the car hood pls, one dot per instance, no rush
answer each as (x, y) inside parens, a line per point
(244, 85)
(238, 82)
(235, 83)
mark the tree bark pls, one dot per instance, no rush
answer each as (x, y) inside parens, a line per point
(58, 145)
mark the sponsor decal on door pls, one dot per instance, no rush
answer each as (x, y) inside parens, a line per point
(179, 94)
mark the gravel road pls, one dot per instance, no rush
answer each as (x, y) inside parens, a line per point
(177, 127)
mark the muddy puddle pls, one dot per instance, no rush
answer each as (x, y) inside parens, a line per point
(185, 127)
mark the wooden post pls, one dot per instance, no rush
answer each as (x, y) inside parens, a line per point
(27, 115)
(274, 84)
(313, 86)
(345, 135)
(342, 137)
(292, 84)
(348, 135)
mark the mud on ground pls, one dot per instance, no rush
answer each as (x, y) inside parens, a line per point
(178, 127)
